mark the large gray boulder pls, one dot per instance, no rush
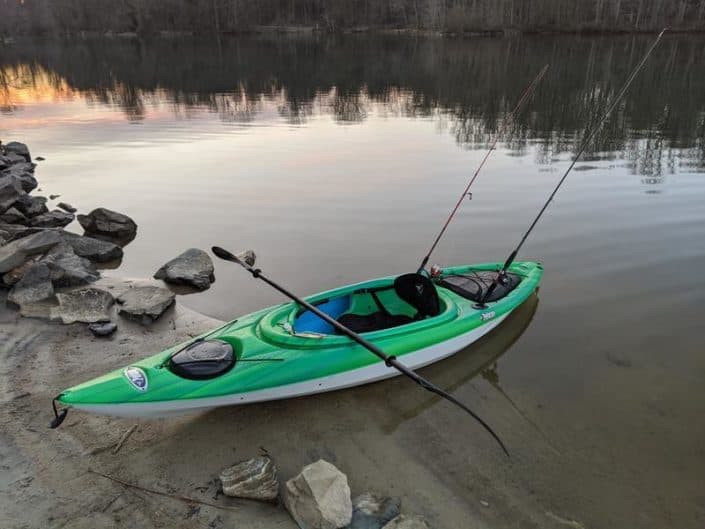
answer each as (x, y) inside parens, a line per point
(53, 219)
(14, 253)
(255, 479)
(103, 223)
(17, 148)
(371, 511)
(193, 267)
(70, 270)
(31, 206)
(85, 305)
(145, 304)
(95, 250)
(13, 216)
(404, 521)
(35, 285)
(10, 191)
(319, 497)
(24, 173)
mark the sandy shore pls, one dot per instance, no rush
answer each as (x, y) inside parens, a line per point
(388, 437)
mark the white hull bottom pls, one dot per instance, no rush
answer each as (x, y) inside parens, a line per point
(356, 377)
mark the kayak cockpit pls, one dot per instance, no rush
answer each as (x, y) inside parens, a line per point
(405, 299)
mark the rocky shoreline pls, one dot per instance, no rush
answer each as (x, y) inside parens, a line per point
(50, 274)
(47, 269)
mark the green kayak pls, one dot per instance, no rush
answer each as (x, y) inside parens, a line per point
(286, 351)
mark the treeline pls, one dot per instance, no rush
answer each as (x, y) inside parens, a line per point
(145, 17)
(468, 85)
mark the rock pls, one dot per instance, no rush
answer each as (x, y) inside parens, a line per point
(86, 305)
(13, 158)
(10, 191)
(145, 304)
(103, 329)
(53, 219)
(319, 497)
(13, 216)
(95, 250)
(106, 224)
(66, 207)
(193, 267)
(404, 521)
(371, 511)
(254, 479)
(69, 270)
(14, 275)
(53, 197)
(248, 256)
(18, 148)
(35, 285)
(4, 237)
(15, 253)
(24, 173)
(39, 158)
(32, 206)
(4, 162)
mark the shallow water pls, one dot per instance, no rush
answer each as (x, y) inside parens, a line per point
(337, 159)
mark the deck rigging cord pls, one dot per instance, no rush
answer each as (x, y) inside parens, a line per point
(508, 119)
(501, 275)
(389, 360)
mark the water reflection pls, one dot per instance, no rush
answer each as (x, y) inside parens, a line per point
(467, 86)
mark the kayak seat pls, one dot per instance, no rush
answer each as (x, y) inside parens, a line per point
(373, 322)
(414, 289)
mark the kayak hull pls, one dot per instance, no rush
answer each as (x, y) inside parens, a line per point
(357, 377)
(283, 352)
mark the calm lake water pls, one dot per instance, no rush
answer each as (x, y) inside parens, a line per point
(337, 159)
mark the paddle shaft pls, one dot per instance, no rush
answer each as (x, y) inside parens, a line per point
(502, 273)
(503, 127)
(389, 360)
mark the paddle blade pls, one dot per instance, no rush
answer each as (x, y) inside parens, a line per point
(247, 257)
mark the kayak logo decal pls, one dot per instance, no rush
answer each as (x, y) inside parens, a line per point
(137, 378)
(487, 315)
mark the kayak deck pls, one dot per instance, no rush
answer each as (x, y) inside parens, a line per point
(284, 352)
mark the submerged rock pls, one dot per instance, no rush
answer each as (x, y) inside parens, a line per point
(14, 253)
(319, 497)
(35, 285)
(85, 305)
(371, 511)
(255, 479)
(18, 148)
(66, 207)
(69, 270)
(193, 267)
(103, 329)
(53, 219)
(404, 521)
(95, 250)
(103, 223)
(145, 304)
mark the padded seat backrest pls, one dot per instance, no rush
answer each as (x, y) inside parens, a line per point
(419, 292)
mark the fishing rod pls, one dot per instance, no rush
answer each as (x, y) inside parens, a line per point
(389, 360)
(502, 274)
(503, 127)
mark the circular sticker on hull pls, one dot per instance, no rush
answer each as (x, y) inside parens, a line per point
(137, 378)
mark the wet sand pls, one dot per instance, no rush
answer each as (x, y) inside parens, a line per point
(389, 437)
